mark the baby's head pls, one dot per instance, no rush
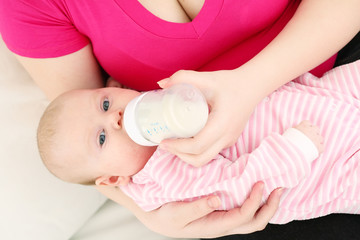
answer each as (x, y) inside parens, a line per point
(81, 138)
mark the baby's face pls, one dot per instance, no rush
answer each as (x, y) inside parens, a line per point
(92, 127)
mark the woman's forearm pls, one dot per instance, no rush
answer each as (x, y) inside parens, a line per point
(318, 30)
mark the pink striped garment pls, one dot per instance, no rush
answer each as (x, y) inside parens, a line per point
(312, 188)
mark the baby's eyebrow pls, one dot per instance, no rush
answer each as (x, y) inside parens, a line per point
(95, 96)
(89, 140)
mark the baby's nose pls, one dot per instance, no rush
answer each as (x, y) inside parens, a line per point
(119, 120)
(117, 116)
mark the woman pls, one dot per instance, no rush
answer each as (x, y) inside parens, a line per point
(232, 44)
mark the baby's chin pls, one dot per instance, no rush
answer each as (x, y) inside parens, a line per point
(145, 151)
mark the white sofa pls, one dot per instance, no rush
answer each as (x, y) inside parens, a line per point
(33, 203)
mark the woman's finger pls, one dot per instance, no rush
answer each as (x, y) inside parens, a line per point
(186, 212)
(268, 210)
(198, 218)
(201, 148)
(237, 220)
(198, 160)
(262, 216)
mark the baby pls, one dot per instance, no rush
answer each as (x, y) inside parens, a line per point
(81, 139)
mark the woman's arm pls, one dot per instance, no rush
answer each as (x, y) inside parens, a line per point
(318, 30)
(198, 219)
(58, 75)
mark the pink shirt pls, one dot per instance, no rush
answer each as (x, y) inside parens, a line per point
(138, 48)
(313, 188)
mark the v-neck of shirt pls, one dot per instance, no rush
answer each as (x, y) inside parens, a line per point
(157, 26)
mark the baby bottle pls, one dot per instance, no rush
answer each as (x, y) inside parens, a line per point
(180, 111)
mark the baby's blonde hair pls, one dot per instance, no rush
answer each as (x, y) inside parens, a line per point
(47, 133)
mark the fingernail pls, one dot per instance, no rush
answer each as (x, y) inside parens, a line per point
(280, 191)
(162, 146)
(214, 202)
(262, 185)
(163, 83)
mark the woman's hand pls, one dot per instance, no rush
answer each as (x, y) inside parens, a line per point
(198, 219)
(232, 100)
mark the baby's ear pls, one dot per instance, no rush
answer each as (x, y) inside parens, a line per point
(112, 180)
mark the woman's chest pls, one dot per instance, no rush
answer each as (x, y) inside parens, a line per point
(177, 11)
(135, 45)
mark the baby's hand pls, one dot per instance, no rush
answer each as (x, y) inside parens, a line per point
(313, 133)
(111, 82)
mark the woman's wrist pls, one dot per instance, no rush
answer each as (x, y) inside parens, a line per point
(255, 84)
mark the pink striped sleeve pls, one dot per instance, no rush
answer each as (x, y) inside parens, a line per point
(278, 162)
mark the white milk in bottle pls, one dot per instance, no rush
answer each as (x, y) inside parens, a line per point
(180, 111)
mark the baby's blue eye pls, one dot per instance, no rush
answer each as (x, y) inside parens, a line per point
(105, 104)
(102, 138)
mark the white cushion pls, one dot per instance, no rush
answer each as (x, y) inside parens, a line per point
(33, 203)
